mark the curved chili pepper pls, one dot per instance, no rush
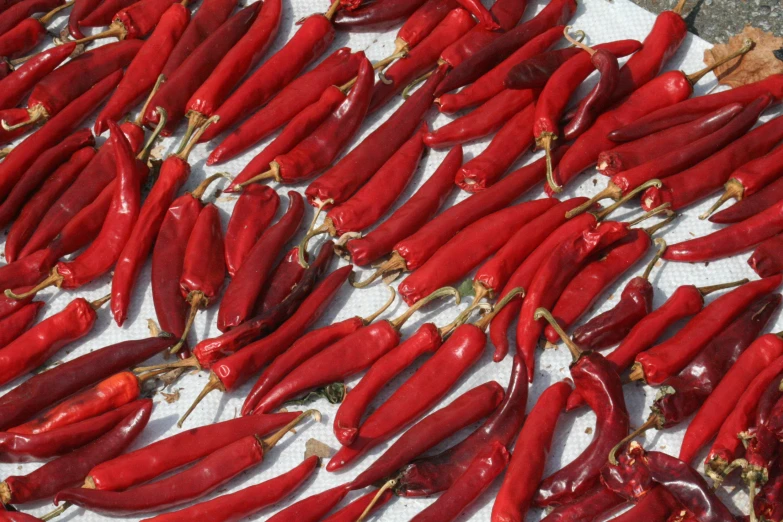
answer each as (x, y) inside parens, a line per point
(81, 9)
(312, 508)
(342, 180)
(484, 120)
(70, 469)
(236, 63)
(358, 507)
(19, 82)
(671, 356)
(481, 239)
(246, 502)
(284, 280)
(39, 203)
(466, 409)
(376, 15)
(63, 124)
(411, 216)
(26, 271)
(27, 34)
(17, 13)
(17, 323)
(143, 71)
(629, 155)
(15, 447)
(254, 210)
(317, 151)
(294, 98)
(492, 82)
(507, 146)
(133, 22)
(43, 167)
(682, 189)
(527, 463)
(766, 260)
(413, 251)
(534, 72)
(203, 477)
(240, 296)
(171, 453)
(422, 57)
(313, 38)
(196, 68)
(556, 12)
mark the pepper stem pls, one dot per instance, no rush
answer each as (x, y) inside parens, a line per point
(270, 442)
(649, 423)
(199, 191)
(213, 384)
(637, 373)
(631, 194)
(54, 279)
(45, 19)
(163, 118)
(387, 486)
(652, 213)
(575, 42)
(312, 232)
(661, 249)
(272, 173)
(191, 140)
(36, 113)
(367, 320)
(56, 512)
(679, 7)
(611, 191)
(195, 120)
(395, 263)
(543, 313)
(698, 75)
(480, 291)
(486, 319)
(155, 88)
(545, 142)
(463, 317)
(752, 497)
(406, 92)
(734, 189)
(655, 228)
(116, 29)
(440, 292)
(707, 290)
(190, 362)
(329, 14)
(197, 299)
(5, 152)
(95, 305)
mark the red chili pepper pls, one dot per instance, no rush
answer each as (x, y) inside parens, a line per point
(410, 217)
(481, 473)
(671, 356)
(247, 501)
(236, 63)
(492, 82)
(598, 382)
(39, 203)
(629, 155)
(556, 12)
(313, 38)
(27, 34)
(413, 251)
(25, 448)
(355, 168)
(421, 23)
(35, 346)
(294, 98)
(534, 72)
(202, 478)
(358, 507)
(348, 418)
(104, 13)
(15, 14)
(81, 9)
(655, 506)
(507, 146)
(171, 453)
(18, 323)
(766, 259)
(49, 387)
(375, 15)
(527, 463)
(483, 121)
(312, 508)
(63, 124)
(133, 22)
(252, 214)
(285, 278)
(481, 239)
(318, 150)
(70, 469)
(752, 205)
(422, 57)
(12, 117)
(9, 306)
(593, 504)
(683, 189)
(249, 282)
(42, 168)
(196, 68)
(143, 71)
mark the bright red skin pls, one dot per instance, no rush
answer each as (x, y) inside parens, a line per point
(19, 82)
(252, 214)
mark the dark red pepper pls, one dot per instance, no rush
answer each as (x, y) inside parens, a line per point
(534, 72)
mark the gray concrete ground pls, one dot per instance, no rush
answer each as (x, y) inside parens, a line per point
(717, 20)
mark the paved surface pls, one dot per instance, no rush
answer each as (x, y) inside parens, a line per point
(717, 20)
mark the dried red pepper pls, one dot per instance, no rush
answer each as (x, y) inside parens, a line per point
(534, 72)
(18, 323)
(133, 22)
(252, 214)
(312, 508)
(766, 260)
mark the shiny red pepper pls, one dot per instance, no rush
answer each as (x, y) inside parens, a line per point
(103, 14)
(18, 322)
(595, 503)
(133, 22)
(254, 210)
(766, 259)
(376, 15)
(312, 508)
(27, 34)
(285, 279)
(421, 23)
(9, 306)
(19, 81)
(752, 205)
(15, 14)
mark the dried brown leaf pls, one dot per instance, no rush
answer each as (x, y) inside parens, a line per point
(754, 66)
(172, 397)
(317, 448)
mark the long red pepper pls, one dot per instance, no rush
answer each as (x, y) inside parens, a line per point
(411, 216)
(358, 507)
(254, 210)
(143, 71)
(507, 146)
(285, 279)
(70, 469)
(421, 23)
(171, 453)
(593, 504)
(81, 9)
(247, 501)
(752, 205)
(24, 9)
(65, 122)
(27, 34)
(377, 15)
(669, 357)
(481, 239)
(17, 323)
(246, 286)
(103, 14)
(196, 68)
(766, 259)
(17, 84)
(313, 38)
(527, 463)
(364, 160)
(655, 506)
(203, 477)
(9, 306)
(133, 22)
(534, 72)
(312, 508)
